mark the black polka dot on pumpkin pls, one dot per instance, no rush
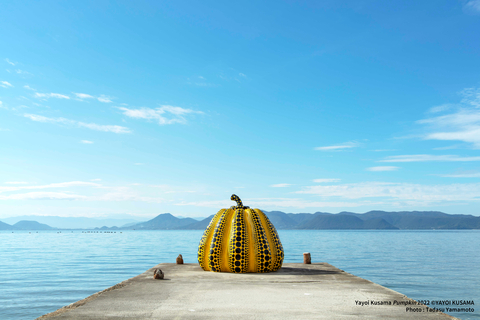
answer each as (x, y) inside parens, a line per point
(237, 269)
(237, 263)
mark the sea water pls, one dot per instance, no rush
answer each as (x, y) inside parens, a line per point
(41, 272)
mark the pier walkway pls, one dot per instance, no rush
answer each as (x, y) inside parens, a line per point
(296, 291)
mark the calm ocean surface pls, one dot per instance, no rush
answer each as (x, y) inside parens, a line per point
(41, 272)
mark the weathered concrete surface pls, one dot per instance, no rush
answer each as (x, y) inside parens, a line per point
(296, 291)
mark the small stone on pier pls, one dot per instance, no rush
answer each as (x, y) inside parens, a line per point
(158, 274)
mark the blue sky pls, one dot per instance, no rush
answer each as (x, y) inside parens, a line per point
(141, 108)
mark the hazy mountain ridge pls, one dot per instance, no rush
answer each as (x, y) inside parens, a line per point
(344, 220)
(164, 221)
(31, 225)
(372, 220)
(25, 225)
(6, 226)
(72, 222)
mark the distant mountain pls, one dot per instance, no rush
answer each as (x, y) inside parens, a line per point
(6, 226)
(282, 220)
(194, 218)
(318, 220)
(163, 221)
(129, 224)
(199, 225)
(370, 220)
(73, 222)
(343, 221)
(31, 225)
(422, 219)
(107, 228)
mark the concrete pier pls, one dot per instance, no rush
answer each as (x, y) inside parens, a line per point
(296, 291)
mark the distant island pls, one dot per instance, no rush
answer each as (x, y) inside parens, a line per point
(372, 220)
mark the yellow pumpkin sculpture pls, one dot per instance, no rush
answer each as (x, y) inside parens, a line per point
(240, 240)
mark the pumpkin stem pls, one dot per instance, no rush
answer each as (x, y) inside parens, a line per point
(235, 198)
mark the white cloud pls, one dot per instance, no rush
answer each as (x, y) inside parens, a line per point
(473, 6)
(16, 182)
(440, 108)
(22, 72)
(472, 136)
(36, 117)
(86, 141)
(125, 194)
(83, 95)
(383, 150)
(204, 84)
(301, 203)
(471, 96)
(428, 157)
(208, 204)
(398, 191)
(38, 192)
(51, 95)
(383, 168)
(115, 193)
(166, 188)
(96, 179)
(447, 147)
(267, 203)
(51, 185)
(5, 84)
(346, 145)
(105, 128)
(280, 185)
(104, 99)
(325, 180)
(164, 115)
(29, 88)
(200, 81)
(10, 62)
(242, 75)
(461, 175)
(92, 126)
(461, 125)
(42, 195)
